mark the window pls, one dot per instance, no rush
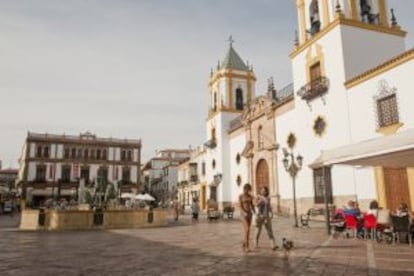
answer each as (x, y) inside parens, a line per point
(40, 173)
(104, 154)
(239, 99)
(84, 174)
(103, 174)
(203, 168)
(126, 174)
(260, 141)
(46, 152)
(315, 74)
(238, 158)
(98, 154)
(79, 153)
(66, 153)
(314, 17)
(387, 111)
(215, 102)
(73, 153)
(92, 154)
(129, 155)
(123, 155)
(238, 180)
(86, 154)
(213, 193)
(319, 185)
(65, 175)
(213, 134)
(39, 151)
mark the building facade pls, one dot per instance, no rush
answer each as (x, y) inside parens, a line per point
(8, 179)
(160, 173)
(351, 84)
(53, 166)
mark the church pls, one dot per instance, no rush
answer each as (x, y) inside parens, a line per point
(343, 130)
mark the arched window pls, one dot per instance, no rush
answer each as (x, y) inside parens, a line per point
(238, 180)
(39, 151)
(213, 134)
(260, 141)
(239, 99)
(46, 151)
(215, 102)
(238, 158)
(314, 17)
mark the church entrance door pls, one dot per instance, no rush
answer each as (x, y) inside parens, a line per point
(262, 174)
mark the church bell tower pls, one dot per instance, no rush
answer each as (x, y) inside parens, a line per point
(231, 85)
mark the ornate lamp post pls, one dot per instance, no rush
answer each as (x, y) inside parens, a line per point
(292, 165)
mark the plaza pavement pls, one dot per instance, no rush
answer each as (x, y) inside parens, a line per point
(204, 248)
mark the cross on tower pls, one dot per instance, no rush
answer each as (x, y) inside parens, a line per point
(230, 40)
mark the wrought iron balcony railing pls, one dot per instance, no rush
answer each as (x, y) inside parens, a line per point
(316, 88)
(211, 143)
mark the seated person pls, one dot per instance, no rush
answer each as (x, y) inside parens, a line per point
(352, 209)
(373, 208)
(402, 210)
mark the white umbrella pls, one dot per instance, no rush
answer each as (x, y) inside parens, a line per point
(139, 197)
(127, 195)
(145, 197)
(148, 197)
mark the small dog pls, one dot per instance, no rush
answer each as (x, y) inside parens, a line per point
(287, 245)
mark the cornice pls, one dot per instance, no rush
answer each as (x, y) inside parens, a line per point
(340, 20)
(375, 71)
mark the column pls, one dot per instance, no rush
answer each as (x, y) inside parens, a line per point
(302, 20)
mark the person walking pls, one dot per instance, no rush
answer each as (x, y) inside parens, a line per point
(247, 211)
(264, 217)
(195, 210)
(176, 208)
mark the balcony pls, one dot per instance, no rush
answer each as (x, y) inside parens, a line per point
(194, 178)
(314, 89)
(182, 183)
(211, 143)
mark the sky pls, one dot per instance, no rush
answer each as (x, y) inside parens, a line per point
(135, 69)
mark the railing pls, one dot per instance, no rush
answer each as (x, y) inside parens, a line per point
(211, 143)
(236, 123)
(314, 89)
(182, 183)
(284, 93)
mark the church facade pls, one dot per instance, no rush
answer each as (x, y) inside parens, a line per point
(351, 84)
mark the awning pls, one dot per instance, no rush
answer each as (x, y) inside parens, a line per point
(396, 150)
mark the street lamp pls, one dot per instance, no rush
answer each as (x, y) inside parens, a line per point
(293, 166)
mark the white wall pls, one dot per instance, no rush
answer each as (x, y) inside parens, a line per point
(365, 49)
(361, 97)
(237, 145)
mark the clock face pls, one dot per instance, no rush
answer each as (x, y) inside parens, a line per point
(319, 126)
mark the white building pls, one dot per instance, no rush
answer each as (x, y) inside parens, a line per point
(51, 166)
(160, 172)
(352, 83)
